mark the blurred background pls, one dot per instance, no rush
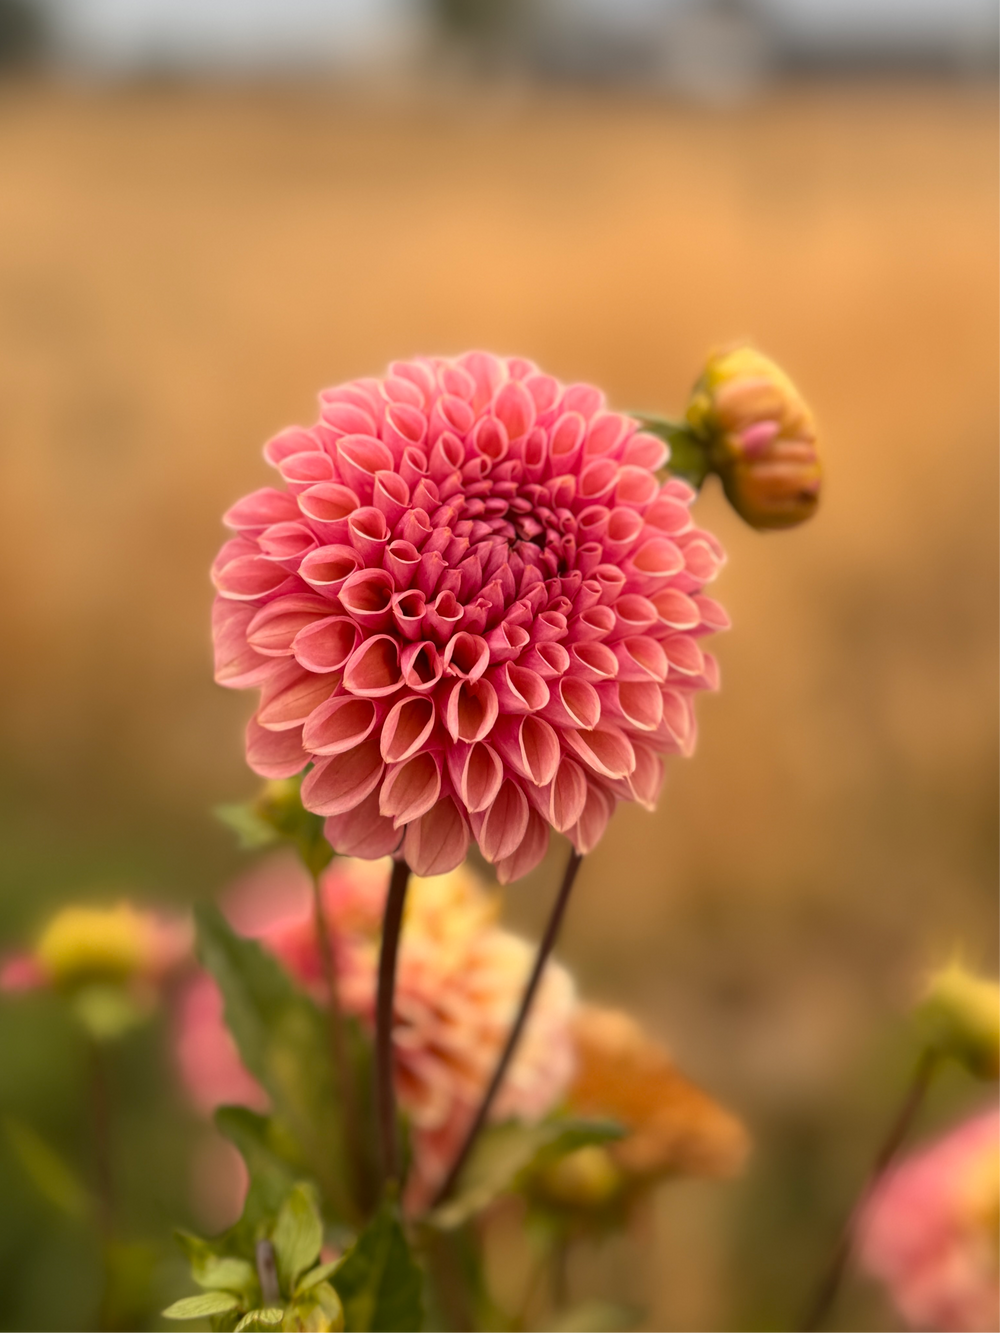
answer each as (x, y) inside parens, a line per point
(210, 210)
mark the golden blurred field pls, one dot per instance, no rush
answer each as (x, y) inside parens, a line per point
(181, 268)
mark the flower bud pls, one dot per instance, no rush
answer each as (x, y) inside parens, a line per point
(89, 945)
(586, 1178)
(761, 438)
(960, 1014)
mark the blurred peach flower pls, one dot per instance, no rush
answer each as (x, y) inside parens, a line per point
(475, 610)
(459, 981)
(672, 1127)
(931, 1231)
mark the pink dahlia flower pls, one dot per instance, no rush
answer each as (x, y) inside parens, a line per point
(475, 610)
(459, 981)
(932, 1229)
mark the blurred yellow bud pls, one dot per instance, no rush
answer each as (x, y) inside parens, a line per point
(88, 945)
(760, 436)
(586, 1178)
(960, 1013)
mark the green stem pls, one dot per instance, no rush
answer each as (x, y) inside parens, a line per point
(544, 950)
(343, 1071)
(828, 1287)
(100, 1119)
(385, 1095)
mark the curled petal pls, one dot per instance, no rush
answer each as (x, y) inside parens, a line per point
(339, 725)
(407, 727)
(437, 841)
(519, 689)
(646, 779)
(605, 750)
(363, 831)
(470, 710)
(328, 568)
(500, 828)
(567, 795)
(274, 754)
(325, 645)
(476, 772)
(529, 852)
(410, 788)
(272, 629)
(589, 829)
(373, 670)
(422, 666)
(260, 509)
(250, 577)
(466, 655)
(341, 782)
(366, 596)
(292, 699)
(237, 664)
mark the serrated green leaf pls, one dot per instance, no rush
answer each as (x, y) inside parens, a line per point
(267, 1317)
(504, 1151)
(316, 1275)
(283, 1040)
(200, 1307)
(297, 1236)
(53, 1177)
(597, 1317)
(378, 1280)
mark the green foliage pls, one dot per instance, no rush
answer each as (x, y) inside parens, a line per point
(283, 1040)
(265, 1258)
(689, 454)
(378, 1279)
(505, 1153)
(278, 815)
(54, 1178)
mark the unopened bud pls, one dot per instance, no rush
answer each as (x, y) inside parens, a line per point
(84, 946)
(760, 437)
(960, 1014)
(584, 1178)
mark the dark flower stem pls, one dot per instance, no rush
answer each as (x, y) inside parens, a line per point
(267, 1272)
(827, 1289)
(343, 1073)
(385, 1096)
(542, 957)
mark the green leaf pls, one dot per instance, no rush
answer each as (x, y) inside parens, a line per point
(267, 1317)
(320, 1299)
(54, 1178)
(504, 1151)
(297, 1237)
(251, 831)
(597, 1316)
(283, 1040)
(227, 1273)
(316, 1275)
(378, 1279)
(690, 455)
(200, 1307)
(273, 1161)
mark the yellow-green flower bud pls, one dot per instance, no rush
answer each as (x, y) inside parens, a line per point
(760, 436)
(960, 1014)
(84, 946)
(584, 1178)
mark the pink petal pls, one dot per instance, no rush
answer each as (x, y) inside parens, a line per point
(500, 828)
(328, 568)
(290, 705)
(273, 628)
(588, 831)
(237, 665)
(437, 841)
(410, 788)
(366, 596)
(325, 645)
(477, 772)
(359, 457)
(529, 852)
(250, 577)
(605, 750)
(274, 754)
(339, 725)
(340, 783)
(407, 727)
(260, 509)
(363, 831)
(470, 709)
(373, 670)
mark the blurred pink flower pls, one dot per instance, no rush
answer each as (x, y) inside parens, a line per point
(459, 980)
(930, 1232)
(475, 610)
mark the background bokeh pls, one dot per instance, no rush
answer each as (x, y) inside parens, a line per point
(184, 262)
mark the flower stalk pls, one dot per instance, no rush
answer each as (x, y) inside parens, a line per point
(829, 1286)
(544, 951)
(385, 1095)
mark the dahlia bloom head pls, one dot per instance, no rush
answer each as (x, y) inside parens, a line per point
(671, 1126)
(100, 946)
(459, 982)
(761, 438)
(474, 609)
(931, 1231)
(960, 1014)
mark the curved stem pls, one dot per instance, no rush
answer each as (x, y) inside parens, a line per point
(385, 1097)
(544, 950)
(826, 1292)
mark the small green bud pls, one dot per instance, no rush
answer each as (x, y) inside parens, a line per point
(585, 1178)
